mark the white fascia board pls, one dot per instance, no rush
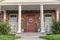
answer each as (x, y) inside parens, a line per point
(8, 3)
(10, 0)
(38, 0)
(39, 3)
(29, 3)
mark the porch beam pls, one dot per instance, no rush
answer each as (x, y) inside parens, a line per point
(42, 19)
(57, 15)
(19, 19)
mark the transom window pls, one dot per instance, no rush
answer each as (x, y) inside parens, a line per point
(12, 15)
(48, 15)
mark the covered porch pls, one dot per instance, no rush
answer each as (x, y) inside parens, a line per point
(30, 18)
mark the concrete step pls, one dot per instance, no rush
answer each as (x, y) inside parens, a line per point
(30, 34)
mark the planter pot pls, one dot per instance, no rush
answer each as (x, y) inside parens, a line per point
(22, 30)
(38, 30)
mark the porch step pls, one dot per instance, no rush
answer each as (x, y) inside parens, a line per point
(30, 35)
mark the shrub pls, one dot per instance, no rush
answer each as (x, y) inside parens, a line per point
(56, 27)
(4, 28)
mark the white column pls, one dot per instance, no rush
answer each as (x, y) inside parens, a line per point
(4, 15)
(19, 19)
(57, 15)
(42, 19)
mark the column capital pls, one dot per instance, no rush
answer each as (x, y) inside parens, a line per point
(19, 5)
(57, 11)
(41, 5)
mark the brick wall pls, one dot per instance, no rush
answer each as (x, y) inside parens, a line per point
(11, 12)
(37, 15)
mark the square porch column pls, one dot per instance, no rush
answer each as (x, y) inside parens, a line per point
(57, 15)
(19, 19)
(4, 15)
(4, 11)
(42, 19)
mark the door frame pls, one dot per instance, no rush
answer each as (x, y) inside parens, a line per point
(9, 19)
(29, 15)
(45, 19)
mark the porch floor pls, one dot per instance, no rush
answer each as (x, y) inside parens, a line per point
(30, 36)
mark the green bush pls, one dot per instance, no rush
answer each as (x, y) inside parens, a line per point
(56, 27)
(4, 28)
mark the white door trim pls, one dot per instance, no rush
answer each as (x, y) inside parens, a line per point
(46, 25)
(10, 24)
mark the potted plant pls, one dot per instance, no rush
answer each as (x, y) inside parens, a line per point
(38, 28)
(23, 27)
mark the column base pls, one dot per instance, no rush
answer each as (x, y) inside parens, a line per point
(43, 32)
(19, 32)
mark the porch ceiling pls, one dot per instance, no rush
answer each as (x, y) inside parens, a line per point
(37, 7)
(9, 7)
(30, 7)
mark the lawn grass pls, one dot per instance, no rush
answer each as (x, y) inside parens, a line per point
(8, 37)
(51, 37)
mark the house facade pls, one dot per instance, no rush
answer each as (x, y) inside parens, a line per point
(29, 15)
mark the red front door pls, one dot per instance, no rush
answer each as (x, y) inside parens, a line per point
(30, 23)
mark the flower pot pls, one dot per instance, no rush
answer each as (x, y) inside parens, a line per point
(22, 30)
(38, 30)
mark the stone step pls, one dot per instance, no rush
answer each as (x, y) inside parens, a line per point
(30, 34)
